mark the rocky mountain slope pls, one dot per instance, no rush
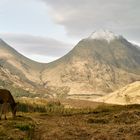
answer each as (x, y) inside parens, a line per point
(18, 73)
(97, 65)
(16, 64)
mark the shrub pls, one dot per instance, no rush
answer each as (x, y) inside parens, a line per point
(26, 107)
(24, 127)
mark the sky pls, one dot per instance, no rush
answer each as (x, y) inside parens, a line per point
(45, 30)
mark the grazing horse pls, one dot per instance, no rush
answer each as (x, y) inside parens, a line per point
(5, 99)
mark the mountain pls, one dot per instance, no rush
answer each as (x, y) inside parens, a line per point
(101, 63)
(96, 66)
(18, 70)
(130, 94)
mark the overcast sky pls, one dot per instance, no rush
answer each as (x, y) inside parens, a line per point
(45, 30)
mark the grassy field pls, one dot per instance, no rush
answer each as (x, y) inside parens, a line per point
(58, 120)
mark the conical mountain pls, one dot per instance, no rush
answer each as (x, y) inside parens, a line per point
(99, 64)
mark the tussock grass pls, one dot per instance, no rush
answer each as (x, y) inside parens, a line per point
(21, 128)
(39, 105)
(55, 107)
(54, 120)
(24, 127)
(51, 107)
(23, 107)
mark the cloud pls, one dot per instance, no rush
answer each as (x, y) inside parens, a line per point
(36, 45)
(81, 17)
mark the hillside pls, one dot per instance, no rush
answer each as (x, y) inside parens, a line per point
(17, 64)
(19, 74)
(130, 94)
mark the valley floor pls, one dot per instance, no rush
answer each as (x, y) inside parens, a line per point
(123, 125)
(103, 123)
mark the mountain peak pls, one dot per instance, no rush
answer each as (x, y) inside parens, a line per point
(103, 35)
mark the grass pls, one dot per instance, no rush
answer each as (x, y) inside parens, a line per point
(42, 119)
(98, 121)
(21, 128)
(39, 105)
(55, 107)
(103, 123)
(24, 127)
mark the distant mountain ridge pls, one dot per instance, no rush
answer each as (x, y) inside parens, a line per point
(97, 65)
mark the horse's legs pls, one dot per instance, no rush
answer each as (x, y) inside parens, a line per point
(5, 110)
(2, 106)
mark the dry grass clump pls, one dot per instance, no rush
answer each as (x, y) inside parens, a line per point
(39, 105)
(33, 101)
(54, 107)
(21, 128)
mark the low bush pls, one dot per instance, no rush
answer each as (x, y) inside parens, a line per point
(23, 127)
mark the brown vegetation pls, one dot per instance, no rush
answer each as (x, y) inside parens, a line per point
(105, 122)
